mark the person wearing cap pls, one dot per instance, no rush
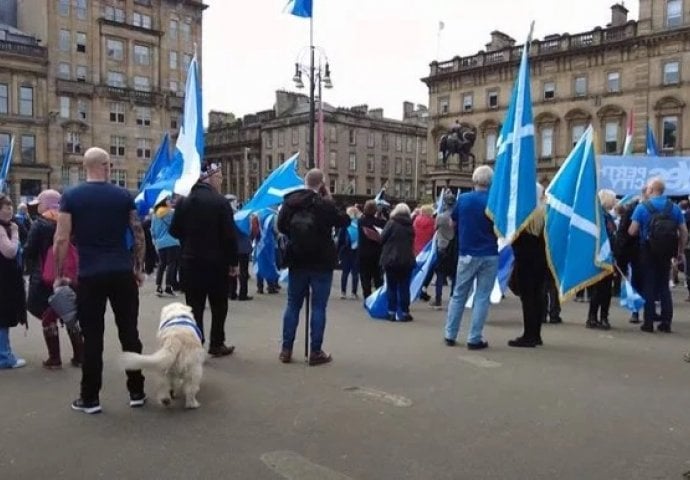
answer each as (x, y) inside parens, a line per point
(203, 223)
(167, 246)
(39, 242)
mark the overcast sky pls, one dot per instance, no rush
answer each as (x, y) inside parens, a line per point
(378, 49)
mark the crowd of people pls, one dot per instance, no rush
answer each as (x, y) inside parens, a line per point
(91, 239)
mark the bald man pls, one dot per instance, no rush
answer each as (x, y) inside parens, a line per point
(654, 220)
(97, 214)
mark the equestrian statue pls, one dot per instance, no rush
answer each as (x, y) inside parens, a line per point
(459, 141)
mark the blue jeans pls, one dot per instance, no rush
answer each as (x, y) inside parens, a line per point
(350, 266)
(484, 270)
(7, 358)
(299, 282)
(398, 289)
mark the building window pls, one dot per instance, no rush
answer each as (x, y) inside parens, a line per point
(671, 73)
(143, 148)
(333, 159)
(549, 90)
(577, 132)
(63, 8)
(117, 112)
(117, 145)
(613, 82)
(295, 136)
(581, 86)
(144, 116)
(281, 138)
(173, 60)
(611, 137)
(28, 149)
(142, 83)
(371, 140)
(332, 185)
(64, 107)
(4, 101)
(26, 101)
(370, 163)
(116, 49)
(281, 158)
(141, 174)
(82, 109)
(81, 73)
(397, 188)
(408, 144)
(422, 148)
(114, 14)
(384, 165)
(443, 106)
(64, 71)
(119, 177)
(81, 42)
(407, 192)
(64, 40)
(669, 135)
(173, 86)
(172, 29)
(546, 142)
(398, 143)
(674, 13)
(352, 135)
(186, 30)
(142, 55)
(80, 9)
(398, 166)
(384, 141)
(408, 166)
(173, 122)
(370, 187)
(353, 161)
(146, 3)
(333, 136)
(492, 99)
(141, 20)
(269, 163)
(467, 102)
(72, 142)
(269, 140)
(491, 146)
(116, 79)
(4, 144)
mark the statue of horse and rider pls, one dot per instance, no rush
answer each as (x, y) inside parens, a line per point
(459, 141)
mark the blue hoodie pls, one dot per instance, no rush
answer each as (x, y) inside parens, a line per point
(160, 229)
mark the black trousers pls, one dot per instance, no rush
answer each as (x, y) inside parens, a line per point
(530, 259)
(207, 280)
(553, 302)
(93, 294)
(243, 279)
(168, 265)
(600, 302)
(370, 273)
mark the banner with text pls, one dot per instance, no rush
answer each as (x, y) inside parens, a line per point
(627, 175)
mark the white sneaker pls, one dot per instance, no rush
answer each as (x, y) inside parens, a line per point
(19, 363)
(354, 296)
(343, 296)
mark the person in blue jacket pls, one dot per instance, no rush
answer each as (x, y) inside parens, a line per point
(167, 246)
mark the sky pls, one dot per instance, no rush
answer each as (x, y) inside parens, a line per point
(378, 50)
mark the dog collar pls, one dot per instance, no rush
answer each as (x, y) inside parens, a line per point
(183, 322)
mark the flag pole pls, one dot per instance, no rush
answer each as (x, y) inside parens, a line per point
(310, 163)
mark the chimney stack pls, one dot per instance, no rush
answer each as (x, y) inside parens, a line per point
(619, 15)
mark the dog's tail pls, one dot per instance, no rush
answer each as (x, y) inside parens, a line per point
(160, 360)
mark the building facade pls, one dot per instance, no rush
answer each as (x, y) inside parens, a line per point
(362, 150)
(599, 77)
(115, 74)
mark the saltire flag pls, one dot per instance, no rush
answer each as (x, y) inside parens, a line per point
(280, 182)
(652, 149)
(512, 196)
(380, 197)
(300, 8)
(577, 246)
(630, 299)
(265, 251)
(158, 168)
(506, 260)
(5, 168)
(628, 145)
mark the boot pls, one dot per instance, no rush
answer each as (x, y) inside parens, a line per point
(605, 325)
(592, 322)
(53, 343)
(77, 342)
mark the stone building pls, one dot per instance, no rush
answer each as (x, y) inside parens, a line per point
(114, 73)
(363, 150)
(602, 76)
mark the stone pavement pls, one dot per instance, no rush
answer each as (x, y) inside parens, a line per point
(395, 404)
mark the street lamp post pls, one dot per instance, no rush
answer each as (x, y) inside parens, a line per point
(317, 75)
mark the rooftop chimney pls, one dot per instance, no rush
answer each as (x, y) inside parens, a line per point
(619, 15)
(499, 41)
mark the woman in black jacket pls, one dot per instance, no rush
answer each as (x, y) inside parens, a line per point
(370, 248)
(398, 260)
(40, 240)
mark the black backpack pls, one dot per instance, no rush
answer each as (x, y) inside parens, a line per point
(303, 237)
(663, 231)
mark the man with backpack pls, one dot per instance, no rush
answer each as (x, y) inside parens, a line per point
(662, 233)
(307, 219)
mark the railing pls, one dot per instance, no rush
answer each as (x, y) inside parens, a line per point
(129, 94)
(73, 87)
(23, 49)
(582, 40)
(175, 102)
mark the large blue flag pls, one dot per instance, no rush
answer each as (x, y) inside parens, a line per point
(5, 168)
(652, 150)
(300, 8)
(280, 182)
(265, 252)
(577, 245)
(158, 169)
(512, 196)
(380, 197)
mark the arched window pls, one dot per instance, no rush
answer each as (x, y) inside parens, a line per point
(546, 125)
(612, 121)
(669, 116)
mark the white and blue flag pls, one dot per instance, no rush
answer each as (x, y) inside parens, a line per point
(577, 245)
(300, 8)
(652, 150)
(512, 196)
(630, 299)
(5, 167)
(280, 182)
(380, 198)
(158, 169)
(265, 251)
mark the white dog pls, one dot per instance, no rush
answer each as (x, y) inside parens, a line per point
(180, 357)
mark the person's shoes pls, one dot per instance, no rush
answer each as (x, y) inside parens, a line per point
(634, 319)
(137, 400)
(232, 297)
(478, 346)
(539, 342)
(647, 328)
(319, 358)
(170, 292)
(260, 291)
(522, 342)
(91, 408)
(159, 291)
(221, 351)
(391, 317)
(449, 342)
(592, 323)
(52, 364)
(605, 325)
(19, 363)
(556, 320)
(406, 318)
(343, 296)
(424, 297)
(285, 356)
(664, 327)
(273, 290)
(245, 299)
(353, 296)
(435, 305)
